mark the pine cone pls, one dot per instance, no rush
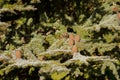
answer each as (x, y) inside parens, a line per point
(18, 54)
(118, 15)
(77, 38)
(74, 49)
(71, 42)
(71, 36)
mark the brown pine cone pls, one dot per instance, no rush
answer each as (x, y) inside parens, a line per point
(18, 54)
(77, 38)
(74, 49)
(118, 15)
(71, 42)
(71, 36)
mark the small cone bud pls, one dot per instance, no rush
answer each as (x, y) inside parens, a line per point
(65, 35)
(114, 8)
(71, 36)
(23, 40)
(71, 42)
(77, 38)
(74, 49)
(42, 58)
(18, 54)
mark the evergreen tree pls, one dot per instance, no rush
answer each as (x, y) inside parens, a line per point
(59, 40)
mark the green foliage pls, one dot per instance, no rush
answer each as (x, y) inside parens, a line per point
(58, 76)
(111, 67)
(40, 30)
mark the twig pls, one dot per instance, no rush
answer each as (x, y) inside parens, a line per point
(56, 50)
(85, 59)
